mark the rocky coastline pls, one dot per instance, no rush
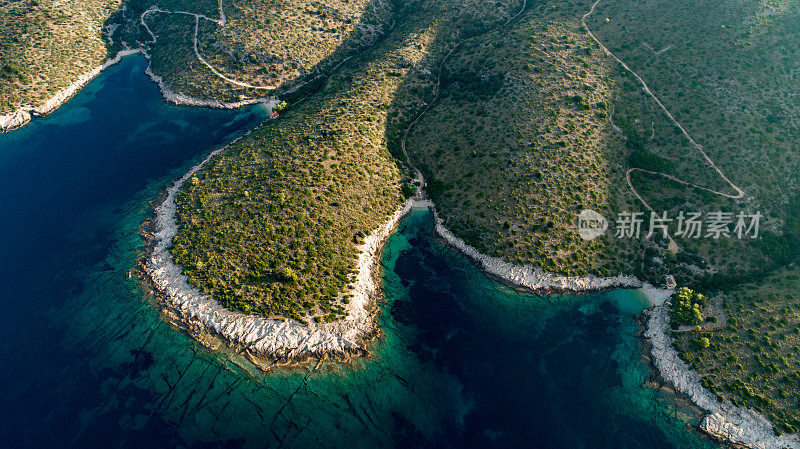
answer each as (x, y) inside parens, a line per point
(290, 341)
(528, 277)
(725, 422)
(186, 100)
(23, 115)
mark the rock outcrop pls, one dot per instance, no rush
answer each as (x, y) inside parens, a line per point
(22, 116)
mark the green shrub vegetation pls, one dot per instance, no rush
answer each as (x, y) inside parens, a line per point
(687, 307)
(525, 125)
(45, 45)
(275, 45)
(518, 143)
(726, 71)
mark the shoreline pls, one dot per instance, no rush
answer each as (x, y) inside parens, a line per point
(185, 100)
(22, 116)
(292, 343)
(724, 422)
(287, 343)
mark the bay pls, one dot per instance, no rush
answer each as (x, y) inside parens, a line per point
(463, 361)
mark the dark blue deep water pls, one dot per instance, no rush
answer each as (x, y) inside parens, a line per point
(86, 362)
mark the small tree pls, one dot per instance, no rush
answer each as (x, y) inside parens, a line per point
(286, 274)
(687, 307)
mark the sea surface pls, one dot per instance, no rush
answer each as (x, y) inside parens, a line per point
(86, 361)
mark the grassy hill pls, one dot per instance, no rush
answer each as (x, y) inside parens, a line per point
(46, 45)
(266, 44)
(726, 72)
(526, 122)
(270, 42)
(519, 142)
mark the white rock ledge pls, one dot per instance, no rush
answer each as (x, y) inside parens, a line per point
(23, 115)
(725, 421)
(289, 339)
(185, 100)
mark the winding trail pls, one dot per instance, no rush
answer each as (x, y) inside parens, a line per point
(215, 71)
(739, 192)
(739, 425)
(221, 22)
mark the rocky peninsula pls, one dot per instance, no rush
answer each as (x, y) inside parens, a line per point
(286, 340)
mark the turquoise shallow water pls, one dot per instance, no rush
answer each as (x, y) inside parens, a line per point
(463, 361)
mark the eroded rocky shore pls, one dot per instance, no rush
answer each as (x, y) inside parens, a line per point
(527, 276)
(726, 422)
(23, 115)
